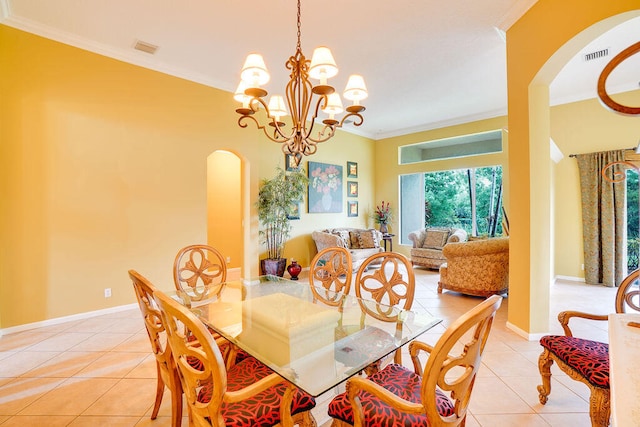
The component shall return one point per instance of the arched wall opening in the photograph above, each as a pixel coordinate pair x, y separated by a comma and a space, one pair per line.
225, 209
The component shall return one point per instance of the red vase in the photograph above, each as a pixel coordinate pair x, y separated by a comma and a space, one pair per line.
294, 269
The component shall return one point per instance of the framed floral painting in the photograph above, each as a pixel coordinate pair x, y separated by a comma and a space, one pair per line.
325, 188
352, 207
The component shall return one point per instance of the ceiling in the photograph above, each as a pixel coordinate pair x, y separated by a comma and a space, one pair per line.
427, 63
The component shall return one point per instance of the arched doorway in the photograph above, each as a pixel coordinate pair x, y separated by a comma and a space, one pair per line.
225, 207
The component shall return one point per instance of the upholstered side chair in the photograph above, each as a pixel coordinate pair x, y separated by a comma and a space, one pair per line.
437, 395
585, 360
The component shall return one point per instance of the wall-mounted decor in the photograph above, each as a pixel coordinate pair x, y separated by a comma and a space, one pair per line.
294, 211
290, 162
352, 208
352, 189
352, 170
325, 188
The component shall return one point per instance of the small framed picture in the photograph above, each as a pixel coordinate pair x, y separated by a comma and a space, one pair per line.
290, 163
352, 189
352, 208
352, 170
294, 211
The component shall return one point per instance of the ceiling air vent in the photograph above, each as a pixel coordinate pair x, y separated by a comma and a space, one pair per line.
145, 47
596, 55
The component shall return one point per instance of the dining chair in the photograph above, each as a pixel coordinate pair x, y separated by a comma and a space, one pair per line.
436, 395
166, 372
246, 394
330, 275
586, 360
391, 286
196, 268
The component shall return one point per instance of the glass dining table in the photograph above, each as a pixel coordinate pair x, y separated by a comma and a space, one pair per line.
309, 343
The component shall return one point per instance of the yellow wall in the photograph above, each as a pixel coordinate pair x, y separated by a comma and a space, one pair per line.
538, 45
583, 127
388, 170
104, 168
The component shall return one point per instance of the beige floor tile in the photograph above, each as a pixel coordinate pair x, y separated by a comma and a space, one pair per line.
61, 342
484, 398
509, 363
19, 393
19, 363
122, 421
145, 369
564, 400
72, 397
20, 341
112, 365
38, 421
512, 420
64, 365
137, 343
101, 342
94, 324
128, 396
564, 420
160, 422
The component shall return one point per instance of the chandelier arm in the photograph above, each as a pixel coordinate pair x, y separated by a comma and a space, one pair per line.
241, 123
255, 104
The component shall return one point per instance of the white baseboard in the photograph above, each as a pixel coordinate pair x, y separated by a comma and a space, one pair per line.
570, 278
524, 334
65, 319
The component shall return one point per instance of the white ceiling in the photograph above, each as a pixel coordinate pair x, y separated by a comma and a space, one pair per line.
427, 63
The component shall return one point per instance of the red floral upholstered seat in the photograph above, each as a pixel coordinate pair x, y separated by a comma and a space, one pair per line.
589, 358
261, 409
401, 382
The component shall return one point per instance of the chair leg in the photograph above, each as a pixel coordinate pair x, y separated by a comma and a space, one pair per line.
305, 419
159, 393
439, 287
599, 409
544, 365
339, 423
176, 401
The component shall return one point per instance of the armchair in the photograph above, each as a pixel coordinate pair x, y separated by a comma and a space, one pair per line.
478, 267
428, 244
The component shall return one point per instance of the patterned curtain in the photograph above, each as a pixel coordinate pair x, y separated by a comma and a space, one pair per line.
604, 223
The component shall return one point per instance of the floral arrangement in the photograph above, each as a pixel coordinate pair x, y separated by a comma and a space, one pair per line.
382, 214
325, 181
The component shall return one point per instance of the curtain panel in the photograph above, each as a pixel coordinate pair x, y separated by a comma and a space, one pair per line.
604, 223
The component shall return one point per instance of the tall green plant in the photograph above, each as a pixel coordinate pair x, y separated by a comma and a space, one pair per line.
276, 197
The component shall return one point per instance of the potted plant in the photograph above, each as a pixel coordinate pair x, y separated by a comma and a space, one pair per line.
382, 216
276, 198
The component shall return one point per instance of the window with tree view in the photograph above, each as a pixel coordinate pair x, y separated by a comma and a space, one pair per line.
464, 198
633, 220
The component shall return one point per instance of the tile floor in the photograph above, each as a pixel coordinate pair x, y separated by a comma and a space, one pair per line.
99, 371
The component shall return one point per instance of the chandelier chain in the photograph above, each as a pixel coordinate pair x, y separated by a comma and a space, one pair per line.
299, 46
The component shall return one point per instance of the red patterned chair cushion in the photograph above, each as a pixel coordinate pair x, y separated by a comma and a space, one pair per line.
589, 358
261, 410
224, 348
401, 382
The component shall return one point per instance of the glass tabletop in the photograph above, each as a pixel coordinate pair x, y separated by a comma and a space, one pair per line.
313, 345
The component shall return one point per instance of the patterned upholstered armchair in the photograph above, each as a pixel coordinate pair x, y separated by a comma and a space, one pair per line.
478, 267
428, 244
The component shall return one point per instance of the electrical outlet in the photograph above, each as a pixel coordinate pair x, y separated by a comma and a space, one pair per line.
583, 266
107, 292
228, 260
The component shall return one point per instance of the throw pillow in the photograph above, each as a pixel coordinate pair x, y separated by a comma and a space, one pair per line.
435, 239
366, 240
344, 236
354, 239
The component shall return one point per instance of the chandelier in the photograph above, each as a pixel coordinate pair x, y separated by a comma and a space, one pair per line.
304, 101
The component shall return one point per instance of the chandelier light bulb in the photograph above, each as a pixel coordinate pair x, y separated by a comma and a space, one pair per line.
356, 90
240, 96
276, 107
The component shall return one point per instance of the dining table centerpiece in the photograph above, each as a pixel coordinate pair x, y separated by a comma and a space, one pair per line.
277, 197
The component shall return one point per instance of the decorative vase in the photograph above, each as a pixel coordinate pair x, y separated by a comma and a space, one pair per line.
327, 201
383, 228
294, 269
273, 267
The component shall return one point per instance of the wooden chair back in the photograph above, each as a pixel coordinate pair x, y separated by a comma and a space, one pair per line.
628, 294
330, 275
392, 284
166, 372
196, 268
455, 374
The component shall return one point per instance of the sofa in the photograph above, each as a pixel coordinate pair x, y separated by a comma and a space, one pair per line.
478, 267
360, 242
429, 242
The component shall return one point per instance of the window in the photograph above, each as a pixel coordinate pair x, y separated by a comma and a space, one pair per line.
633, 220
464, 198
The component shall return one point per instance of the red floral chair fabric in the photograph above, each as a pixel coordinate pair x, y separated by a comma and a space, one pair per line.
589, 358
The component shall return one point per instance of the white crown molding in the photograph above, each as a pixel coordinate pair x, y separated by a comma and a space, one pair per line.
515, 12
134, 57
